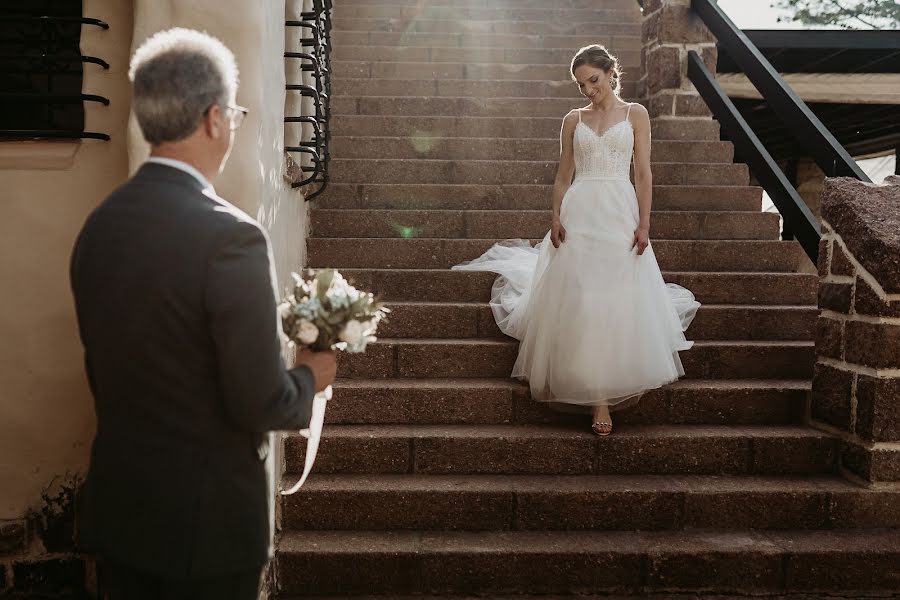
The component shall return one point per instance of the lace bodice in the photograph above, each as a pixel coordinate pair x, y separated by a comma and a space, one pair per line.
606, 154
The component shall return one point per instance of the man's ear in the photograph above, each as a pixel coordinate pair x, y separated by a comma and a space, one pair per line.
214, 122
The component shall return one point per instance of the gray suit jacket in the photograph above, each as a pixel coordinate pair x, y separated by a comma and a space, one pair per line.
175, 297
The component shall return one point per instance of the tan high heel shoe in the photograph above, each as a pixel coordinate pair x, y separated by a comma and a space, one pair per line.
602, 428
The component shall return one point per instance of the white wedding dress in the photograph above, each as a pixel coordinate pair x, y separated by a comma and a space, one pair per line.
596, 322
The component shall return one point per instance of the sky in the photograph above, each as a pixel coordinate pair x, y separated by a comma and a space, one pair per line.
755, 14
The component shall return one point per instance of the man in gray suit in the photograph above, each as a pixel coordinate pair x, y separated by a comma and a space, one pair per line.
175, 298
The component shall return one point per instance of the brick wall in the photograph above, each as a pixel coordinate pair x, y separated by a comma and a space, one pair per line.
856, 386
670, 31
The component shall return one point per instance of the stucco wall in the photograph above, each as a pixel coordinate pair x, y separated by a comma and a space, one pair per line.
253, 178
281, 209
46, 413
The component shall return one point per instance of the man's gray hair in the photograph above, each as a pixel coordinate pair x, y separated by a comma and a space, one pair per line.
178, 74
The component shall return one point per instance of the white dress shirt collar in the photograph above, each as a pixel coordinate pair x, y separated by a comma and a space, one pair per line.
183, 166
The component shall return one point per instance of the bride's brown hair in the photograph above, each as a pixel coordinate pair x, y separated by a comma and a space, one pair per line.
599, 57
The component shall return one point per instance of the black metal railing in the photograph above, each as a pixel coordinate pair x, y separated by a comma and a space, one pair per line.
796, 116
803, 123
315, 36
798, 219
41, 66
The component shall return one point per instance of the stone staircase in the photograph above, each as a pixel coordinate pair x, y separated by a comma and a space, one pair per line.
437, 475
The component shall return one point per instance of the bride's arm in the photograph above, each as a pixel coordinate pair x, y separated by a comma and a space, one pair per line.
643, 177
566, 168
564, 174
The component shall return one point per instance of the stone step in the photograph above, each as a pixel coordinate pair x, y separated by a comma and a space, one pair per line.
498, 401
479, 358
491, 172
568, 450
441, 285
616, 44
672, 255
684, 129
586, 502
500, 224
394, 563
463, 148
448, 70
453, 106
501, 127
476, 15
444, 320
629, 59
424, 4
464, 87
626, 26
418, 196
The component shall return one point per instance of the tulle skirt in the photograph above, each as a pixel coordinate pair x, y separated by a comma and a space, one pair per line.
596, 322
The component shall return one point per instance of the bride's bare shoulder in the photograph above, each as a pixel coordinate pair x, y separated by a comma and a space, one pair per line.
638, 110
572, 117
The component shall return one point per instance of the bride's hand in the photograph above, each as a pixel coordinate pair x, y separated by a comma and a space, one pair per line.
641, 239
557, 233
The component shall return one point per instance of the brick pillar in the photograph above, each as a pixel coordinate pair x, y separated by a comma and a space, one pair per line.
810, 180
670, 31
856, 385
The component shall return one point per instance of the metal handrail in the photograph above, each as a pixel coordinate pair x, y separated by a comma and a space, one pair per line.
48, 57
796, 214
55, 98
316, 169
318, 23
49, 134
50, 19
828, 153
311, 92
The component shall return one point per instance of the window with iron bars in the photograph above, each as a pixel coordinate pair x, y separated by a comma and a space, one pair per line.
41, 70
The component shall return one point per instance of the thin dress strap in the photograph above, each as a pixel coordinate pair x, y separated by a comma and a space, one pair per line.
578, 110
628, 112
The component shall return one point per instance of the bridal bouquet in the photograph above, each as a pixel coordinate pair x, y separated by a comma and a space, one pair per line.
325, 312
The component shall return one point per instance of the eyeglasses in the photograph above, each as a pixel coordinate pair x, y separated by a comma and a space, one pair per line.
236, 114
233, 112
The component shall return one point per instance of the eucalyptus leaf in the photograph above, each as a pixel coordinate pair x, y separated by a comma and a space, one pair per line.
323, 282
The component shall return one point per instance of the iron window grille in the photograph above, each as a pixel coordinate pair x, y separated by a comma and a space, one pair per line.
42, 68
314, 29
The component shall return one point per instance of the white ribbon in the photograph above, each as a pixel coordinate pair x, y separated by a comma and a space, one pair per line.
313, 435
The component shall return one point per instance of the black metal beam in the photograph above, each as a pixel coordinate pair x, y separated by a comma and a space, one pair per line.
830, 55
793, 112
871, 145
872, 115
888, 56
801, 222
824, 39
799, 51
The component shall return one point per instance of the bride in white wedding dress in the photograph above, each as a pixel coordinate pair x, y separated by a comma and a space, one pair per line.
597, 324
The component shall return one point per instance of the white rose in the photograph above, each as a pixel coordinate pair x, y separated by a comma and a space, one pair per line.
284, 310
307, 333
369, 327
352, 333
